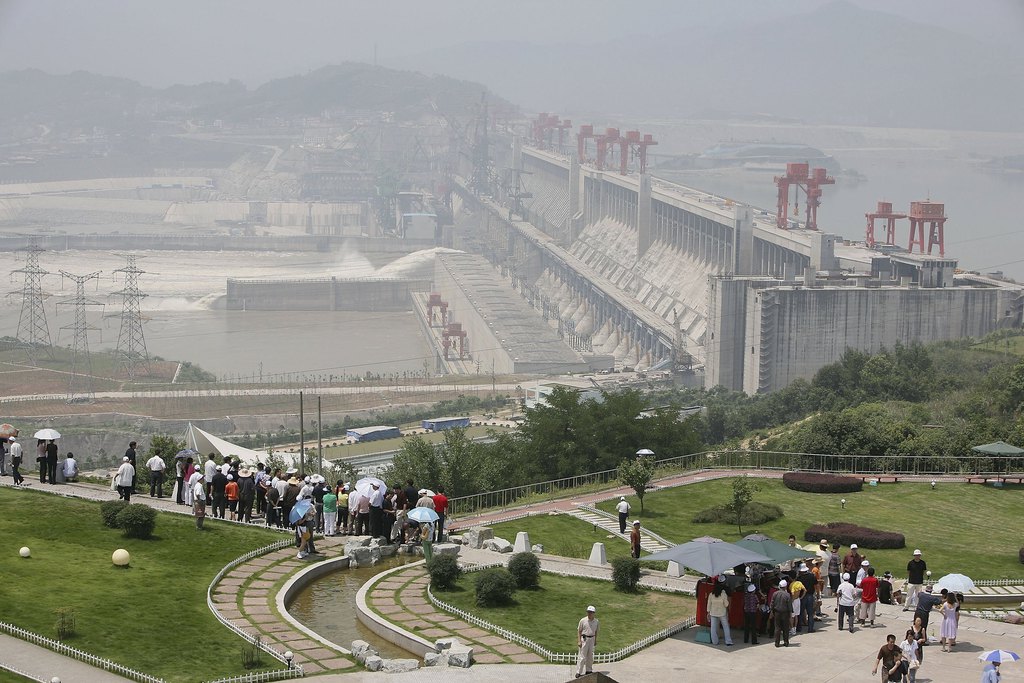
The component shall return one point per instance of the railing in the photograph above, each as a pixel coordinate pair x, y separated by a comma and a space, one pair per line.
556, 657
612, 518
999, 582
19, 672
293, 670
81, 655
909, 466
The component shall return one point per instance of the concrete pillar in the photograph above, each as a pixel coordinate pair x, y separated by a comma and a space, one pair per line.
598, 558
823, 251
743, 242
522, 544
575, 210
643, 215
674, 569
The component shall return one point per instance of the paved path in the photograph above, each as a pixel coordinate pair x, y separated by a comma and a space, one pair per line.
46, 664
402, 599
647, 541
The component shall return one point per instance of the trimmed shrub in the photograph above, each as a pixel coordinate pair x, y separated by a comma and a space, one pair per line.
525, 569
137, 520
813, 482
444, 571
494, 587
844, 533
754, 513
109, 511
626, 574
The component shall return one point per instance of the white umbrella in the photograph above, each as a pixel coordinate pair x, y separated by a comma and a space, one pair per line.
999, 656
645, 451
363, 485
428, 492
47, 434
958, 583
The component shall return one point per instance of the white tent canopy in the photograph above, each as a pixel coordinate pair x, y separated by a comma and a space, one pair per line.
206, 443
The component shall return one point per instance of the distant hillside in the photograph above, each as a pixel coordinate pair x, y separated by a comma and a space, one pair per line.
838, 64
84, 100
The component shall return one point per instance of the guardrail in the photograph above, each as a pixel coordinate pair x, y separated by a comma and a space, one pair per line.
81, 655
910, 466
999, 582
293, 670
555, 657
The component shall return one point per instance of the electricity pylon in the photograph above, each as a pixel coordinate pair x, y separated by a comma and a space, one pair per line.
80, 383
33, 332
131, 342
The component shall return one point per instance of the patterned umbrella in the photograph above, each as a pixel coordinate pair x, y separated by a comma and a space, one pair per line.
999, 656
7, 431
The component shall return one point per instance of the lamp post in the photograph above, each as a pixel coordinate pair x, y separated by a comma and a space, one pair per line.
842, 502
933, 484
288, 657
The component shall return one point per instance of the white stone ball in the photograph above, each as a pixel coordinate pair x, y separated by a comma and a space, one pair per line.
25, 552
121, 558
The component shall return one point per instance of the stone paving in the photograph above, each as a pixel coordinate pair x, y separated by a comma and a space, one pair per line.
402, 599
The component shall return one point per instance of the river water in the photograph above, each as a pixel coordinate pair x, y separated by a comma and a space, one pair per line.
183, 319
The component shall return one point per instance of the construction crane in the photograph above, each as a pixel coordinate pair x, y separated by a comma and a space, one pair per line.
799, 176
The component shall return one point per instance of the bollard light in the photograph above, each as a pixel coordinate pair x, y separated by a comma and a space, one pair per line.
288, 656
842, 502
933, 484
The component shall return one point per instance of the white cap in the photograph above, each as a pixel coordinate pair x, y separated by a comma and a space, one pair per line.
636, 523
124, 459
591, 608
865, 563
846, 576
620, 497
917, 552
802, 567
853, 546
12, 438
783, 584
751, 588
230, 478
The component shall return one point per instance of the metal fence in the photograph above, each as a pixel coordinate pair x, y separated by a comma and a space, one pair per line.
966, 467
81, 655
292, 670
556, 657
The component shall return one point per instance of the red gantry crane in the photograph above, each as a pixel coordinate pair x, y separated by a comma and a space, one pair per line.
884, 211
934, 214
800, 177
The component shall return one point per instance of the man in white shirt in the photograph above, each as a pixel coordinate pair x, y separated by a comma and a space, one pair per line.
70, 468
376, 511
209, 469
156, 467
123, 480
847, 595
586, 638
623, 509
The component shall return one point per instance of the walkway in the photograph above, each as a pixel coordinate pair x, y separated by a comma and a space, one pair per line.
247, 595
402, 598
647, 541
46, 664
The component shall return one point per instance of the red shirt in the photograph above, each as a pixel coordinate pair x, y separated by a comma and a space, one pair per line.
231, 490
440, 503
869, 589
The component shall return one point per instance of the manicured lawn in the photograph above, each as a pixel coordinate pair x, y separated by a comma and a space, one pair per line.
563, 535
145, 617
549, 615
965, 528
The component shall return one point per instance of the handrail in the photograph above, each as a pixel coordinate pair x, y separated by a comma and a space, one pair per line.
969, 466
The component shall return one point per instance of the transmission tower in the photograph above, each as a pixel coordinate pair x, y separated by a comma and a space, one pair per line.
80, 384
131, 342
33, 332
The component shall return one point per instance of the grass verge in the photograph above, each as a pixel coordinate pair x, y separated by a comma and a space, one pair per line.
563, 535
549, 614
121, 613
965, 528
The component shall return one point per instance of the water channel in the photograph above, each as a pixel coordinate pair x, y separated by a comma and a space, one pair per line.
328, 606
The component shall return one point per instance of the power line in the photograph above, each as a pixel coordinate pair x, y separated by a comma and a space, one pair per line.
80, 384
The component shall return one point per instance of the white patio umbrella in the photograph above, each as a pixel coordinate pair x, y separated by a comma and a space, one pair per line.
47, 434
958, 583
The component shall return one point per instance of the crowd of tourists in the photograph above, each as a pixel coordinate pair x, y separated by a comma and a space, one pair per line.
793, 598
233, 491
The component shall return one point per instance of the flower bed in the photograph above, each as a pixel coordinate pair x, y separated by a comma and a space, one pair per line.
813, 482
845, 534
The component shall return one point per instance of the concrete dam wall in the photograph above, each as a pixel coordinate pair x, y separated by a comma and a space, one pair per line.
213, 242
324, 294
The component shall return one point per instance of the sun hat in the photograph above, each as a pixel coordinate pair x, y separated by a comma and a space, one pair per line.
231, 478
846, 576
823, 541
803, 567
244, 472
865, 563
917, 552
124, 459
293, 482
853, 546
751, 588
636, 522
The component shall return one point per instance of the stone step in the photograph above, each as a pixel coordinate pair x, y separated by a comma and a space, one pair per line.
612, 526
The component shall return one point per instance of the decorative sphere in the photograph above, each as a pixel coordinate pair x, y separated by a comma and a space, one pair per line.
121, 557
25, 552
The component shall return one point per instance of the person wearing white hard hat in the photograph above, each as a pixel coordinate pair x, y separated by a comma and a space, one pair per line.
586, 638
623, 507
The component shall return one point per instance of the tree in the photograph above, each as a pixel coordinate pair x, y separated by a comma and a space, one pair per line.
743, 491
637, 473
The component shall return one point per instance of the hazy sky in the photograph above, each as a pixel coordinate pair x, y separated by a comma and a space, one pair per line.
191, 41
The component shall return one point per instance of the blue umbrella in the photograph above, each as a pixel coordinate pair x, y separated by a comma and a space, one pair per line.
299, 511
423, 515
186, 453
998, 656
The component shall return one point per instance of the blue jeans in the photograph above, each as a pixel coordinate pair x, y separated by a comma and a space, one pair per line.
807, 612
